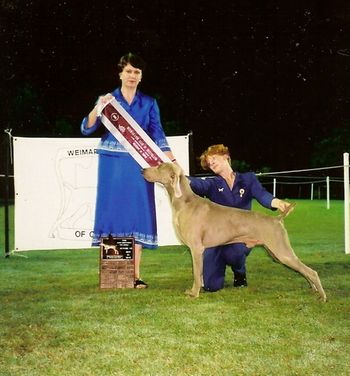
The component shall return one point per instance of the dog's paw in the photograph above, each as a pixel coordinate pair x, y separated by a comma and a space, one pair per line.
191, 293
322, 297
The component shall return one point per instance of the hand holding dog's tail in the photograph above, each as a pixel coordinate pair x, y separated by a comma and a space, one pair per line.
283, 206
287, 210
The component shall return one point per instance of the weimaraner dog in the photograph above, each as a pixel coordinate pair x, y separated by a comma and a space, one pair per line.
201, 224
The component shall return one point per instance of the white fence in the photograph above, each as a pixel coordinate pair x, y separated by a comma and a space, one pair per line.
327, 180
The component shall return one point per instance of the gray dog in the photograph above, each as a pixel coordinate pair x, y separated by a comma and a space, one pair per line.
201, 224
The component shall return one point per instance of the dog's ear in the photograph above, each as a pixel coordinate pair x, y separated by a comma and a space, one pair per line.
175, 183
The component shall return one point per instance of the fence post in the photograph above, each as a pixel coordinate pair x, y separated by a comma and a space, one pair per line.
274, 187
312, 191
346, 202
328, 193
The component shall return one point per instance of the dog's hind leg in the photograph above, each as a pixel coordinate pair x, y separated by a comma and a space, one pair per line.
288, 258
310, 274
276, 241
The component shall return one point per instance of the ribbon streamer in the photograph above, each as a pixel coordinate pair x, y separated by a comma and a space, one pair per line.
134, 139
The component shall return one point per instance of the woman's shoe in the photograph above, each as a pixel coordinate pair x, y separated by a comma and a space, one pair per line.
139, 284
240, 280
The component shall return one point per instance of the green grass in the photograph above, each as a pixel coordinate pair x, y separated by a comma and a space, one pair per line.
55, 321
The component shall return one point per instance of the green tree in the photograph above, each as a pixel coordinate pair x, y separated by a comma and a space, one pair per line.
329, 151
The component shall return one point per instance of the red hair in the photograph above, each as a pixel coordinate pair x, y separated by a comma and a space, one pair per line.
218, 149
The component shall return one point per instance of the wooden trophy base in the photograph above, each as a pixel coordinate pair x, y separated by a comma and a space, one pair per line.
117, 263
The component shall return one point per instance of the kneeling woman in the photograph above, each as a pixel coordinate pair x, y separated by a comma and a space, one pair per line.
237, 190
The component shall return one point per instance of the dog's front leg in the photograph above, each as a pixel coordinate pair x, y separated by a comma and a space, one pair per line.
197, 264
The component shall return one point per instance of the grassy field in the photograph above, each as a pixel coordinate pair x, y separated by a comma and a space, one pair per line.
55, 321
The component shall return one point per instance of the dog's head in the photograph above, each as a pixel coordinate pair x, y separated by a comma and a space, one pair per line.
167, 174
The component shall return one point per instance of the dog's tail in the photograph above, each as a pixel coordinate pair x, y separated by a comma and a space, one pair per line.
289, 209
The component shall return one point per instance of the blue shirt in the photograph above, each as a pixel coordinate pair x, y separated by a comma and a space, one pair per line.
145, 111
246, 187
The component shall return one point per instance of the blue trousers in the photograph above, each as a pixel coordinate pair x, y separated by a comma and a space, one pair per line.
215, 261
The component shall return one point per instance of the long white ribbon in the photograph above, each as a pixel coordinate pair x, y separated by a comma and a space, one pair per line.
134, 139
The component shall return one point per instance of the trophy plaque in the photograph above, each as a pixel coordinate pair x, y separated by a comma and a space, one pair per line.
117, 264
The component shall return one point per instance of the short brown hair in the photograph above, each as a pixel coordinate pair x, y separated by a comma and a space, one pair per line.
218, 149
133, 60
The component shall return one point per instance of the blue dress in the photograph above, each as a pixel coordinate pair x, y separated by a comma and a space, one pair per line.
125, 204
246, 187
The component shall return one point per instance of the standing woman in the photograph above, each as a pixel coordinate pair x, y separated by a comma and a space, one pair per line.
125, 204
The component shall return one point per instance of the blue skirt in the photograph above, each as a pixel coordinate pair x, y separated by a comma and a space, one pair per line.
125, 204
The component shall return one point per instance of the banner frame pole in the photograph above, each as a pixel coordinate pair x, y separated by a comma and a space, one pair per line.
7, 176
346, 203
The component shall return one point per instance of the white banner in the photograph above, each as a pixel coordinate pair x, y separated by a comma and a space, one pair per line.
55, 192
